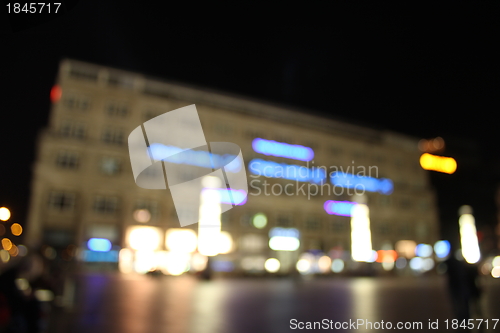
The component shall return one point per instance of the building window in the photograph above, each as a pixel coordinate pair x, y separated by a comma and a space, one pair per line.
68, 159
114, 136
338, 225
284, 221
105, 205
73, 102
151, 206
313, 223
61, 201
73, 130
110, 165
117, 110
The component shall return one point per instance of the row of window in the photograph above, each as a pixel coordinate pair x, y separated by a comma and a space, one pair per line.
63, 201
78, 130
71, 160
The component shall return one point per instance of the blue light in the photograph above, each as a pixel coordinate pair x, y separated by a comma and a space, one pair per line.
370, 184
232, 197
342, 208
423, 250
99, 244
442, 248
93, 256
222, 266
199, 158
287, 171
284, 232
280, 149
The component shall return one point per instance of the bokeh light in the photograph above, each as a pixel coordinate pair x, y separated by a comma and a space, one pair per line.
272, 265
4, 214
16, 229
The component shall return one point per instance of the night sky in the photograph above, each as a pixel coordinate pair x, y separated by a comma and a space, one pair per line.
423, 69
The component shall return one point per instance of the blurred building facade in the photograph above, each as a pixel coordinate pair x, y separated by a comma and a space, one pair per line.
83, 185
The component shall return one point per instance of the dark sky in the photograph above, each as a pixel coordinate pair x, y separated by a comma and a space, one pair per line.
424, 69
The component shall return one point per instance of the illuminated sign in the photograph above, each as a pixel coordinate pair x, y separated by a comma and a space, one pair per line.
230, 196
438, 163
280, 149
342, 208
94, 256
99, 244
199, 158
370, 184
284, 239
287, 171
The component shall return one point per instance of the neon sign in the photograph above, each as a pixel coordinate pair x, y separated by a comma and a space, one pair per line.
281, 149
231, 197
341, 208
370, 184
199, 158
287, 171
438, 163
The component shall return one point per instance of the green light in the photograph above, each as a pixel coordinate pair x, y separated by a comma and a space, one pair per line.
259, 221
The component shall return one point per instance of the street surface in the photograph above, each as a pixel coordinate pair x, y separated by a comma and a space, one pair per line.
113, 302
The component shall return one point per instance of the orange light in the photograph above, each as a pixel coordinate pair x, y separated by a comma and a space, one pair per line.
16, 229
386, 255
6, 244
438, 163
55, 94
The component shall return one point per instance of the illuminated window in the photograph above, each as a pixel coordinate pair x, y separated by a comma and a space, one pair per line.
110, 165
61, 201
73, 130
114, 136
105, 205
67, 159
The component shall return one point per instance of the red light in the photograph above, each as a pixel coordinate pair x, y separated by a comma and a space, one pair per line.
55, 94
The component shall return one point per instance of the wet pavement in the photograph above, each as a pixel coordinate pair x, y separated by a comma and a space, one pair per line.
113, 302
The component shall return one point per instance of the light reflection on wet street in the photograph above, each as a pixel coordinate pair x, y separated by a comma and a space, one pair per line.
112, 302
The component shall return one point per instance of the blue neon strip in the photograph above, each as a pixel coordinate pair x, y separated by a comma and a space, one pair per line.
202, 159
370, 184
281, 149
284, 232
287, 171
230, 196
99, 244
93, 256
342, 208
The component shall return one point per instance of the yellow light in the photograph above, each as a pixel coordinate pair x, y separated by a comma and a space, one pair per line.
144, 238
181, 240
495, 272
4, 214
259, 221
126, 261
324, 264
406, 248
468, 239
6, 244
225, 242
272, 265
361, 240
209, 225
4, 256
16, 229
438, 163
